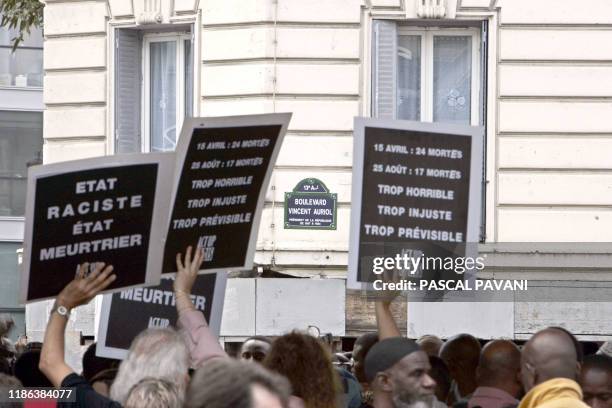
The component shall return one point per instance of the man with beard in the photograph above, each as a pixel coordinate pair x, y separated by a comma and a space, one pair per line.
398, 370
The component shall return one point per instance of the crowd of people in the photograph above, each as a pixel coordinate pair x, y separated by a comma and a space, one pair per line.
187, 367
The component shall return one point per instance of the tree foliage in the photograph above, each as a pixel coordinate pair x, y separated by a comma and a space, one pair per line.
21, 15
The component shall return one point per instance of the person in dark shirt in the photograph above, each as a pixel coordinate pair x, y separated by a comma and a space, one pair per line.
86, 396
78, 292
157, 353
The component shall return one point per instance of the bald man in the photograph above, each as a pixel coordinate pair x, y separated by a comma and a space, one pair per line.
549, 370
498, 376
596, 381
461, 355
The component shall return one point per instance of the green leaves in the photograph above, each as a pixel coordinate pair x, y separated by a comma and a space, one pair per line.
21, 15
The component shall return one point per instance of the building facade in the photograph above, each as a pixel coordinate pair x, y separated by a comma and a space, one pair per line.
21, 140
119, 76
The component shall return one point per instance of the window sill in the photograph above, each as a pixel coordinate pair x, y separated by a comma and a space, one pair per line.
21, 99
22, 88
12, 229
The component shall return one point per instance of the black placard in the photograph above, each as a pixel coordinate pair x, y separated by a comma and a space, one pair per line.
103, 214
416, 195
220, 192
125, 314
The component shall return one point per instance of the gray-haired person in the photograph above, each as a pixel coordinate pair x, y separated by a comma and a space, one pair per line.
159, 353
154, 393
224, 382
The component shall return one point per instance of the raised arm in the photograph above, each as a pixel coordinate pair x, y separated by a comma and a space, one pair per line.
384, 320
201, 342
78, 292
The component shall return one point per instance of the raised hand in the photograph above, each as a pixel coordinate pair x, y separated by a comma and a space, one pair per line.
84, 288
387, 296
384, 319
187, 271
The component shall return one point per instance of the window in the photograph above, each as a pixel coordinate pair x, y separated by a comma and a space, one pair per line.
427, 74
431, 73
153, 89
21, 141
9, 290
20, 147
22, 68
168, 89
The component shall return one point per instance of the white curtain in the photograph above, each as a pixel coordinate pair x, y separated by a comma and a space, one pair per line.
163, 96
409, 77
452, 79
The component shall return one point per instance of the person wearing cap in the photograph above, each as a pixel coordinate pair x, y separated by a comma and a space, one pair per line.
398, 370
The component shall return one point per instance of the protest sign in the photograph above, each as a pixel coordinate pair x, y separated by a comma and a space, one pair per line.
106, 209
416, 193
223, 167
125, 314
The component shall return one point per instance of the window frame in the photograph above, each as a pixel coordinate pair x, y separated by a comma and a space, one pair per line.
23, 47
19, 99
383, 34
12, 226
427, 35
148, 38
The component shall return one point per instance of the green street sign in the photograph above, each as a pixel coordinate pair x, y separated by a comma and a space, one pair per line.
311, 206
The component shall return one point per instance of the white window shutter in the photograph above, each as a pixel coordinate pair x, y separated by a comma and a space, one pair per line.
128, 46
384, 69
